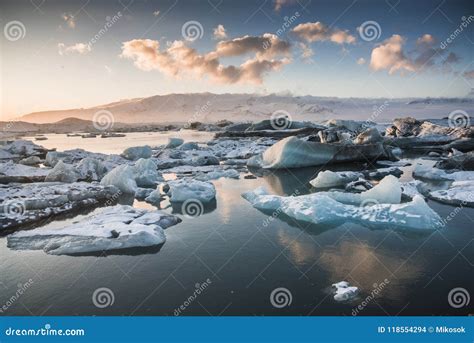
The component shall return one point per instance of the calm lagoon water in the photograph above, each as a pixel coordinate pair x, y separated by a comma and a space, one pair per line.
243, 256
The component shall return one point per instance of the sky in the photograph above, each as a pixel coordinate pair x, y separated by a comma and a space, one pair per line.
74, 54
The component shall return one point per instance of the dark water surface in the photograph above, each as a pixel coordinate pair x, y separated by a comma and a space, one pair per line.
242, 255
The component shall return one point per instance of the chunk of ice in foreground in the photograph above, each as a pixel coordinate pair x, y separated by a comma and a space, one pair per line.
328, 178
344, 292
117, 227
185, 189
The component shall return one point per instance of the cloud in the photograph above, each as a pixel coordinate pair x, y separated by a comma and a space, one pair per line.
69, 19
469, 74
278, 4
266, 46
390, 55
361, 61
306, 51
314, 32
79, 48
178, 59
156, 13
219, 32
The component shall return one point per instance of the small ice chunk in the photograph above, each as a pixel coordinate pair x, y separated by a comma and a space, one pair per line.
146, 173
122, 177
62, 172
459, 193
136, 152
328, 179
91, 169
184, 189
30, 161
174, 142
217, 174
117, 227
344, 291
154, 197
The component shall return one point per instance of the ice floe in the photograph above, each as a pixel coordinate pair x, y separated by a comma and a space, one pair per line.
344, 292
328, 179
136, 152
62, 172
114, 228
365, 208
435, 174
459, 193
21, 204
122, 177
185, 189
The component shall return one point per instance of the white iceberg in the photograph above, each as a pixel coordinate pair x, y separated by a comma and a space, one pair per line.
217, 174
122, 177
435, 174
114, 228
459, 193
344, 292
174, 142
136, 152
146, 173
324, 207
184, 189
19, 170
154, 197
328, 179
91, 169
62, 172
293, 152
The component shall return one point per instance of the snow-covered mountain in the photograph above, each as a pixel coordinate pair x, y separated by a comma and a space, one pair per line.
208, 107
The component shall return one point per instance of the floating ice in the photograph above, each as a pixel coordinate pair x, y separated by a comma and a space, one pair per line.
91, 169
146, 173
12, 169
292, 152
217, 174
174, 142
184, 189
30, 161
344, 292
154, 197
327, 207
21, 204
122, 177
136, 152
327, 179
113, 228
430, 173
62, 172
458, 193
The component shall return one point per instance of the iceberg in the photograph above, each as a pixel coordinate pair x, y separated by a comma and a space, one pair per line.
91, 169
12, 172
122, 177
293, 152
344, 292
435, 174
174, 143
459, 193
185, 189
113, 228
328, 179
62, 172
22, 204
146, 173
323, 208
136, 152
